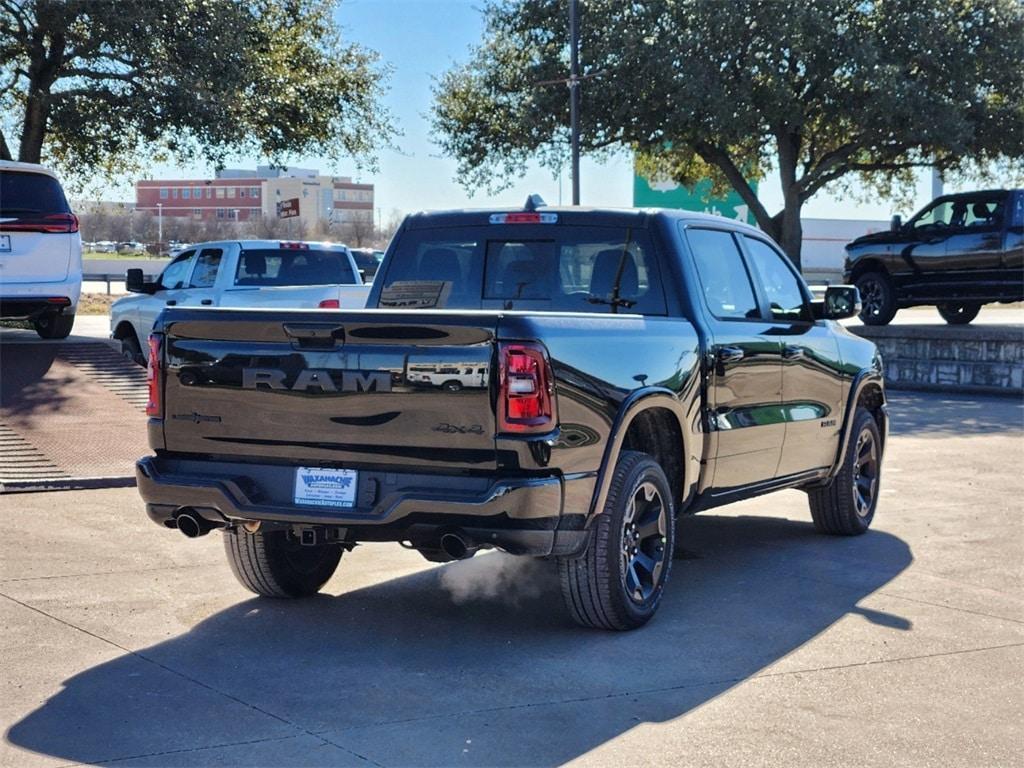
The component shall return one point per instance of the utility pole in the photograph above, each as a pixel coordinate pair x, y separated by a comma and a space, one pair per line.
574, 96
159, 229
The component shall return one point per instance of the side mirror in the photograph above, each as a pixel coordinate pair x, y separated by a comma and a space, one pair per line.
135, 281
897, 223
839, 303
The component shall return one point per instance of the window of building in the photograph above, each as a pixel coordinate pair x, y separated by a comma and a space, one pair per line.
242, 192
220, 192
164, 192
232, 213
254, 191
197, 212
231, 191
209, 192
186, 193
220, 213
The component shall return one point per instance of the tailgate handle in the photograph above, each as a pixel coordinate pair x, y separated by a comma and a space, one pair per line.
315, 334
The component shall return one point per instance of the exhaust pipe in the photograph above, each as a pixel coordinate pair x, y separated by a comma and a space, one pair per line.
192, 525
457, 547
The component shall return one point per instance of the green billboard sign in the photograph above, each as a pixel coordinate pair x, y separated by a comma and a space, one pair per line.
669, 194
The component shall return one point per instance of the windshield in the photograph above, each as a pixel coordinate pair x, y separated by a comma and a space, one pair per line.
22, 193
557, 268
273, 266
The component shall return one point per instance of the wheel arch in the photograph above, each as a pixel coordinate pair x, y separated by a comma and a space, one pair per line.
867, 391
868, 264
652, 421
123, 328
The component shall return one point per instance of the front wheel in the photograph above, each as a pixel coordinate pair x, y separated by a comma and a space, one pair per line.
618, 582
54, 326
273, 564
959, 314
846, 506
877, 298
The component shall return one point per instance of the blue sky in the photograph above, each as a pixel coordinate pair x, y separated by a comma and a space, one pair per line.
420, 39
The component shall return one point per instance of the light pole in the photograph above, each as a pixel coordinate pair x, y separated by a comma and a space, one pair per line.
574, 97
160, 229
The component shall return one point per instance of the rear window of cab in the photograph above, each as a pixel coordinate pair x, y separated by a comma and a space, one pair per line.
528, 267
265, 267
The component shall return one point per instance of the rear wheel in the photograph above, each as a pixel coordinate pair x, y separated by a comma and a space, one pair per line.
877, 298
846, 506
131, 350
618, 582
54, 326
273, 564
959, 314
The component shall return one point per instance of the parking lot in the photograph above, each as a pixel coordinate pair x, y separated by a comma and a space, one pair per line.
129, 645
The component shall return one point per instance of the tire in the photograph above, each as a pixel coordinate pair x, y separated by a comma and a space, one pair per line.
959, 314
594, 584
131, 350
273, 565
840, 508
54, 326
878, 298
452, 386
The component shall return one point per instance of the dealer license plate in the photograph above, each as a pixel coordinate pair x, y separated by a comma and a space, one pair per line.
5, 243
320, 487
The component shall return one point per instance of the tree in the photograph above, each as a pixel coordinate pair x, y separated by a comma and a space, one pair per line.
95, 85
826, 92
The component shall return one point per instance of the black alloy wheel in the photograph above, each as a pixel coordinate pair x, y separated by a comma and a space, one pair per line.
643, 542
877, 298
865, 473
959, 314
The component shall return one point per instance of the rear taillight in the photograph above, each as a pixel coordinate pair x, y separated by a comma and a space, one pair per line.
329, 304
155, 406
59, 223
526, 397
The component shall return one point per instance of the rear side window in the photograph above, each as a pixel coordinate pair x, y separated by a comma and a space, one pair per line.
555, 268
22, 193
724, 280
272, 266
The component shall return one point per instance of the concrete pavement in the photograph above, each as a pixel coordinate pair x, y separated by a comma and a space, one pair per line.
126, 644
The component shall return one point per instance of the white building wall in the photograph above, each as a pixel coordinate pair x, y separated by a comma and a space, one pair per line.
823, 251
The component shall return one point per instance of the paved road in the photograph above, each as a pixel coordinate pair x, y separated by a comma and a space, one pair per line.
775, 646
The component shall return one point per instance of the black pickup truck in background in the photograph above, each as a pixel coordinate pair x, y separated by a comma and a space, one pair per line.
958, 253
550, 382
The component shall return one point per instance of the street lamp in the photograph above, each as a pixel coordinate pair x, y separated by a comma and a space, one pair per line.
160, 228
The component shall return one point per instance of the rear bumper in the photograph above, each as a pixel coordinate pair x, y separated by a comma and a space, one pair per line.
521, 515
29, 308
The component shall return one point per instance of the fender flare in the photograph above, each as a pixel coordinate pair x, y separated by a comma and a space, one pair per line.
636, 403
865, 378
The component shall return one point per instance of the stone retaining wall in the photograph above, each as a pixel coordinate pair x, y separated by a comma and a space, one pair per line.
981, 358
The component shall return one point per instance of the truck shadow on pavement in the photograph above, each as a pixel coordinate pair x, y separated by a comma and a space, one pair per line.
473, 662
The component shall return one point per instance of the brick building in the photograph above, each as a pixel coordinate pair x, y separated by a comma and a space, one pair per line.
243, 195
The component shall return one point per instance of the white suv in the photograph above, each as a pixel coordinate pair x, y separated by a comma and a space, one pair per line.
40, 250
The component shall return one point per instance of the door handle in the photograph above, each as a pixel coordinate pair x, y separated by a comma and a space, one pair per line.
206, 302
792, 353
729, 354
171, 302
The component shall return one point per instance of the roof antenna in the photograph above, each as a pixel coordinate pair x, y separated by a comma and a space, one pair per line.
533, 202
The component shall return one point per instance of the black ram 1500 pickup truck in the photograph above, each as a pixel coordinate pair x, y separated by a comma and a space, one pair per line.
958, 253
550, 382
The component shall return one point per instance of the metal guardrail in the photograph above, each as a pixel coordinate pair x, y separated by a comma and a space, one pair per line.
108, 278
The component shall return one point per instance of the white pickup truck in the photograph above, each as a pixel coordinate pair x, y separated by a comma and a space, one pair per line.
253, 274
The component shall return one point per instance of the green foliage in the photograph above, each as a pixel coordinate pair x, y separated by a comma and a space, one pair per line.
824, 91
108, 85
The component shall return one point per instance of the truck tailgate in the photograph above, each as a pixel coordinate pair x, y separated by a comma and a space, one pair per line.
332, 387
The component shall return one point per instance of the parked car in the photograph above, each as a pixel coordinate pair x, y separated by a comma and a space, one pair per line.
958, 253
40, 250
247, 273
635, 365
368, 260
